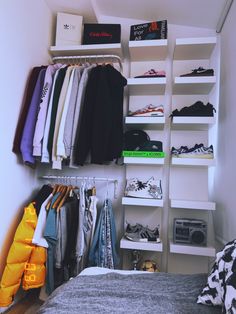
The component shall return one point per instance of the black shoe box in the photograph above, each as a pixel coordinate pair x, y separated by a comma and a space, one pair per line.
101, 34
149, 31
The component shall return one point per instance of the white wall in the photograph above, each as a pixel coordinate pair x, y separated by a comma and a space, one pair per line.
23, 45
224, 191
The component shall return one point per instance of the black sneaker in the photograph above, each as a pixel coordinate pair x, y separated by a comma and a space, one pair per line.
200, 72
198, 109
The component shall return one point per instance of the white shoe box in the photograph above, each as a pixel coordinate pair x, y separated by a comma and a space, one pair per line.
69, 29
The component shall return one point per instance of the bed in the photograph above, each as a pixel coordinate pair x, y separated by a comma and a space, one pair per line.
99, 290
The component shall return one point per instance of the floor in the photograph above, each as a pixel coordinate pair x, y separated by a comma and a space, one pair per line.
28, 305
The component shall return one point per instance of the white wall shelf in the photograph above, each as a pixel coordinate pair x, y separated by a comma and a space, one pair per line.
193, 85
192, 250
192, 161
144, 161
144, 246
194, 48
145, 120
74, 50
146, 86
193, 120
142, 202
186, 204
143, 50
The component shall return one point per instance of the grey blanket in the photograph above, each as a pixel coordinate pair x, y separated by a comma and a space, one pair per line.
158, 293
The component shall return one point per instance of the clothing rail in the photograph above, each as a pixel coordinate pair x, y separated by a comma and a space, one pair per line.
90, 58
78, 178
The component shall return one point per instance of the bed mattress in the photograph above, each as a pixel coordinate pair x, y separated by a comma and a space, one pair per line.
104, 291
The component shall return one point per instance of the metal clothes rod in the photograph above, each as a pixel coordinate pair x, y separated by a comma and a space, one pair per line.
89, 58
76, 178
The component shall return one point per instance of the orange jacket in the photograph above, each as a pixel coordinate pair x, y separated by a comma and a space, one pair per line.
24, 259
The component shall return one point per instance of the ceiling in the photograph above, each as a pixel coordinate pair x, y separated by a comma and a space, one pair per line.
197, 13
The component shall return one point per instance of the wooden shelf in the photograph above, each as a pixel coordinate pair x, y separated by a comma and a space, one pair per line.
145, 120
148, 50
81, 50
142, 202
209, 251
147, 86
193, 85
186, 204
144, 246
144, 161
192, 161
194, 48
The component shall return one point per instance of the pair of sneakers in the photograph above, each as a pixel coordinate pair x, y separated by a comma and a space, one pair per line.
197, 151
144, 189
139, 233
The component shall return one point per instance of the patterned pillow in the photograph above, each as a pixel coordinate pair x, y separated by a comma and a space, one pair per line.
221, 284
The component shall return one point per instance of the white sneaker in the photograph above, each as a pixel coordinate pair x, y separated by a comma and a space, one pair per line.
150, 189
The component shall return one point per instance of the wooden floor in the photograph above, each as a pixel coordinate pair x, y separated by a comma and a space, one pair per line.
28, 305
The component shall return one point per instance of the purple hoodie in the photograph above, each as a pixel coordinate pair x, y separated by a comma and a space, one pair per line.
26, 144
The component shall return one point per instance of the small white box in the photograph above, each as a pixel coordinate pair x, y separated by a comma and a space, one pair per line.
69, 29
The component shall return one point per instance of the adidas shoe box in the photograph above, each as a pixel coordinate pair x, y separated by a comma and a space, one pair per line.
101, 34
149, 31
69, 29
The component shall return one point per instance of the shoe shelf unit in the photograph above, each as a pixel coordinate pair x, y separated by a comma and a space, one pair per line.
142, 246
193, 85
145, 55
192, 162
201, 205
73, 50
142, 202
144, 86
145, 120
208, 251
192, 123
144, 161
190, 178
141, 50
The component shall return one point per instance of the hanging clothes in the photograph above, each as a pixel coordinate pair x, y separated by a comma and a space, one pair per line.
103, 251
102, 117
42, 114
26, 145
25, 261
25, 108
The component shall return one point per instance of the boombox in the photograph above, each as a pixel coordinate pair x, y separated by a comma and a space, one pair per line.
190, 231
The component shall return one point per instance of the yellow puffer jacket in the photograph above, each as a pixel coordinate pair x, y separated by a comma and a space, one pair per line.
24, 259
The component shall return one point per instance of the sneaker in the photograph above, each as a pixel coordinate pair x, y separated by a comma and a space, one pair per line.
198, 109
152, 73
198, 151
139, 233
200, 72
176, 151
150, 189
148, 111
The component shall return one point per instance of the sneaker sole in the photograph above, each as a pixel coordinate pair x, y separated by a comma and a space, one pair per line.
195, 156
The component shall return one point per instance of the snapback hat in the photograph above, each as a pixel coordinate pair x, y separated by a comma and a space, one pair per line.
134, 139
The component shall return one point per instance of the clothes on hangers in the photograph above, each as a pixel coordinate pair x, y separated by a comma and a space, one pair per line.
74, 112
26, 145
25, 107
103, 251
25, 261
42, 114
